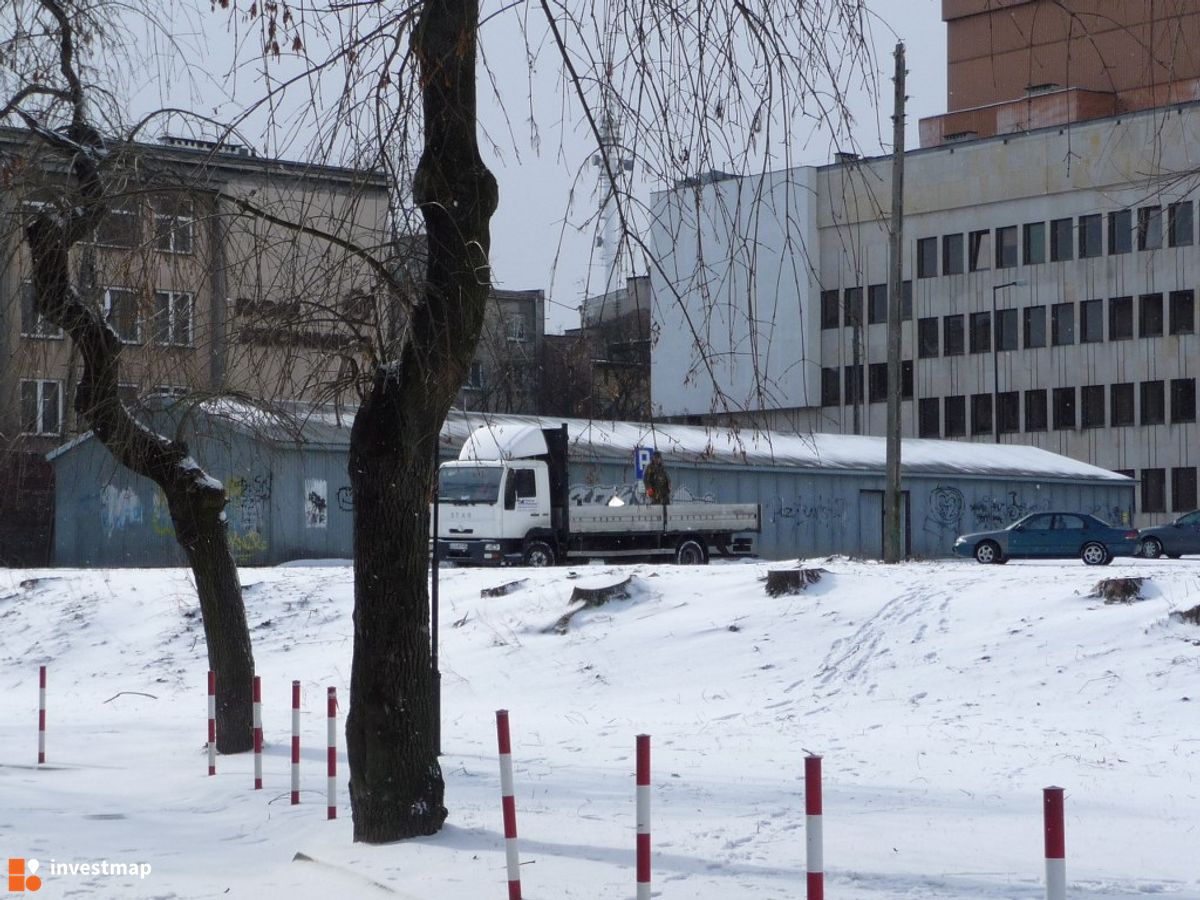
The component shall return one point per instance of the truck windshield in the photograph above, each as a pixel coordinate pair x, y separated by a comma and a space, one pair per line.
470, 484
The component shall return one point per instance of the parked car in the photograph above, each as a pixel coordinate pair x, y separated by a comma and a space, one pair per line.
1051, 535
1174, 539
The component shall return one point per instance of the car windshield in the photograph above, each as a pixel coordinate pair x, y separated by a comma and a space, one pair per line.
470, 484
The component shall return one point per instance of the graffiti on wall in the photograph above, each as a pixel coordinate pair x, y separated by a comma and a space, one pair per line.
1114, 515
996, 512
119, 508
345, 498
823, 510
248, 506
316, 503
944, 510
588, 494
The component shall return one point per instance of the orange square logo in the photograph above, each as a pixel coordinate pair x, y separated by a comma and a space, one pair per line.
22, 878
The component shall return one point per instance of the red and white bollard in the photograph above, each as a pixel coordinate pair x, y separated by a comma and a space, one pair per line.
1056, 843
509, 803
814, 838
212, 723
295, 742
643, 817
41, 714
332, 755
257, 733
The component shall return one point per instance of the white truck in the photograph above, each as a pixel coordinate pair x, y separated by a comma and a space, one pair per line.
506, 501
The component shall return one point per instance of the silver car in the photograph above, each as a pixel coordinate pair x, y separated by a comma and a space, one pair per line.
1174, 539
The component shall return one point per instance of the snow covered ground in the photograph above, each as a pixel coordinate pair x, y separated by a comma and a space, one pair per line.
943, 697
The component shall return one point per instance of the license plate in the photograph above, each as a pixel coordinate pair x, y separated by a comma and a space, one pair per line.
457, 546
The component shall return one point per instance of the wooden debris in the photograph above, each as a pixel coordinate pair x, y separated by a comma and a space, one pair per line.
590, 598
792, 581
1119, 590
1188, 615
503, 589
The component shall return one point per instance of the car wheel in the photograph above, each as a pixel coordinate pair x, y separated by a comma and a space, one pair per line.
1002, 560
1151, 548
987, 552
1107, 560
691, 553
539, 554
1174, 555
1094, 553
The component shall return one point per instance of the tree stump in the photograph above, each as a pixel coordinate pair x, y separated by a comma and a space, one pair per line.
1119, 590
1188, 615
792, 581
504, 589
590, 598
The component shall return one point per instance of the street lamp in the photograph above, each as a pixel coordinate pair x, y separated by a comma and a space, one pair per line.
996, 357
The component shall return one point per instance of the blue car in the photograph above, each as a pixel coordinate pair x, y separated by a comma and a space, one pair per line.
1051, 535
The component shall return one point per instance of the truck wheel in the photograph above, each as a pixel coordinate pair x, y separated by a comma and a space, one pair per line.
539, 554
691, 553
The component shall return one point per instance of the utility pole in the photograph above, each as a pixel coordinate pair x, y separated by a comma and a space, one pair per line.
892, 549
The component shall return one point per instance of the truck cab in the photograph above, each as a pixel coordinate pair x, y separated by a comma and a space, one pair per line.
490, 511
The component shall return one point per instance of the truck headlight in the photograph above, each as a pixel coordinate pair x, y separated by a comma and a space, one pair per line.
495, 547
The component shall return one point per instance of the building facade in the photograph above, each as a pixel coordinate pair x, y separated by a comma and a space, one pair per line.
506, 373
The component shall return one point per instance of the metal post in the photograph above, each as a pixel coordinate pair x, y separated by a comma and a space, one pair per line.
892, 551
436, 700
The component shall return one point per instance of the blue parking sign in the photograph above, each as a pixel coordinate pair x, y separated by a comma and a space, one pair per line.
641, 459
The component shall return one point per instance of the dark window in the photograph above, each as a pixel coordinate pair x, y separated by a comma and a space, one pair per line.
980, 250
1006, 329
927, 337
1183, 489
1064, 408
1183, 399
1091, 402
1149, 229
830, 312
1033, 242
852, 305
1062, 324
927, 257
1179, 224
120, 226
1006, 247
174, 220
854, 385
906, 379
1035, 410
1150, 315
1120, 231
877, 383
952, 254
928, 423
956, 416
831, 389
1035, 327
1154, 403
1091, 321
1122, 404
877, 304
121, 312
981, 332
173, 318
1183, 312
906, 299
1154, 490
1090, 240
981, 414
1008, 412
33, 324
953, 342
524, 483
1061, 245
41, 407
1120, 318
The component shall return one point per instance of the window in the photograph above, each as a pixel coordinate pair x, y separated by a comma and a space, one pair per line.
1154, 404
877, 383
906, 300
1129, 473
981, 332
927, 337
1183, 489
981, 414
1091, 402
980, 250
41, 407
831, 388
1183, 312
1120, 232
928, 424
514, 327
854, 385
1179, 224
830, 313
1120, 318
173, 318
129, 395
1035, 410
523, 483
853, 306
1006, 247
174, 222
34, 324
1154, 490
1061, 245
1064, 408
1035, 327
1090, 240
121, 312
1183, 399
1008, 412
956, 416
1091, 321
1006, 329
953, 342
1149, 228
1150, 315
952, 254
120, 227
1121, 400
906, 379
1062, 324
927, 257
1033, 242
475, 376
877, 304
